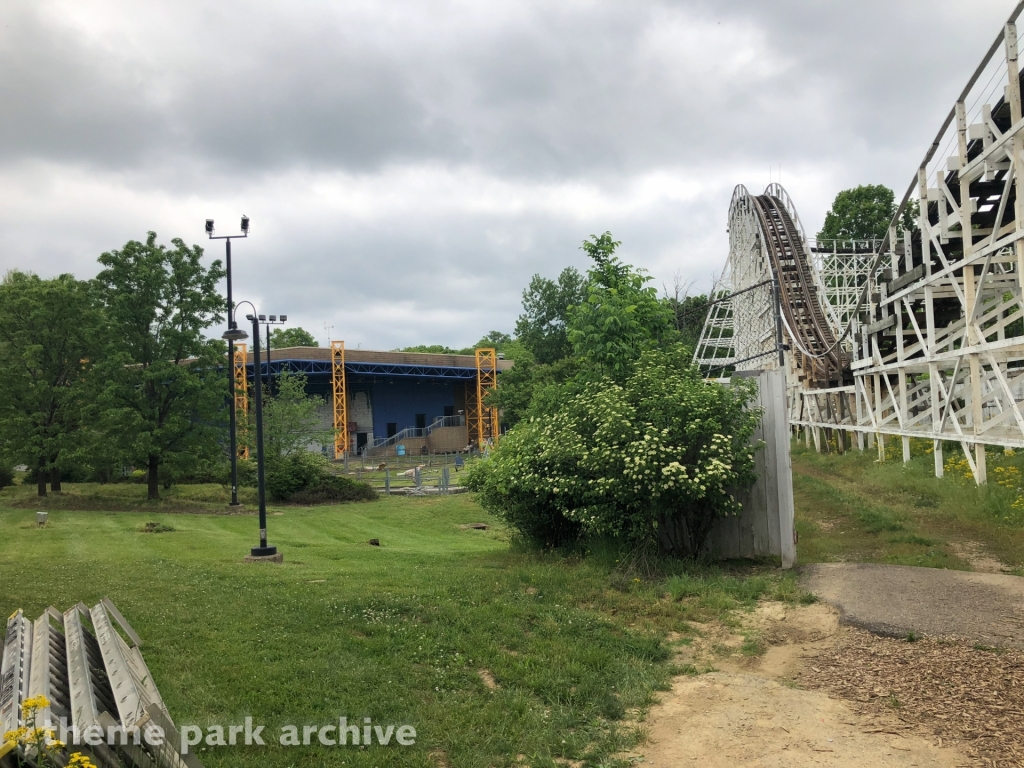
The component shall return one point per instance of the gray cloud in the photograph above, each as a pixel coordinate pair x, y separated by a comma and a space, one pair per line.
408, 166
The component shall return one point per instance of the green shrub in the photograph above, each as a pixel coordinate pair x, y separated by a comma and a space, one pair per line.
217, 470
290, 474
332, 488
78, 473
305, 478
525, 502
246, 473
649, 461
6, 476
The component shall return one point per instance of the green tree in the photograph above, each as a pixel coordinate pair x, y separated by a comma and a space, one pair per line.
432, 349
864, 213
688, 311
542, 327
292, 425
164, 386
280, 338
51, 332
689, 315
622, 316
291, 418
496, 339
648, 459
502, 342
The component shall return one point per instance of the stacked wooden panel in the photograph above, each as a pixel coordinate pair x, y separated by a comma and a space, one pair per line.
88, 664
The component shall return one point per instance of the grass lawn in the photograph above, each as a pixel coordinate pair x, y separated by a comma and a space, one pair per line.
854, 508
368, 471
417, 631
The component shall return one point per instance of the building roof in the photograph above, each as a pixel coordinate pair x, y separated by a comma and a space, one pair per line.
317, 360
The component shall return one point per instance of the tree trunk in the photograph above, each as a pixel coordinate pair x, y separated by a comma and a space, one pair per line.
674, 534
154, 477
41, 477
55, 480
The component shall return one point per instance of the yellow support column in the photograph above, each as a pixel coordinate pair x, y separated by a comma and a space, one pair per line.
473, 413
241, 397
340, 399
486, 382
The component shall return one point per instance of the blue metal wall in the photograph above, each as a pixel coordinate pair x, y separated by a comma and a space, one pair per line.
399, 400
395, 398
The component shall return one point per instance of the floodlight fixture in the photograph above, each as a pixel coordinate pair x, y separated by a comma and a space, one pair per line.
263, 318
249, 318
273, 318
284, 318
245, 224
209, 227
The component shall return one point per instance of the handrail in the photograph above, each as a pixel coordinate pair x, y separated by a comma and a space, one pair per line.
415, 432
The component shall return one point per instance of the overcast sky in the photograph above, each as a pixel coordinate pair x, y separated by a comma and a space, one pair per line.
408, 166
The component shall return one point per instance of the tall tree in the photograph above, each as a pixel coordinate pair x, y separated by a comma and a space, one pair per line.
291, 418
503, 342
50, 335
689, 311
432, 349
164, 388
542, 326
496, 339
864, 213
622, 316
281, 338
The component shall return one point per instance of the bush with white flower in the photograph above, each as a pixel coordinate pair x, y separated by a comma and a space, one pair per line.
649, 460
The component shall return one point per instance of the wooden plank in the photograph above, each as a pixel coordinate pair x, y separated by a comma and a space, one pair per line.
881, 325
769, 385
784, 474
907, 278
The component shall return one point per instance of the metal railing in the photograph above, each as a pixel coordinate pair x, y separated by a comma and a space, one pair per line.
409, 433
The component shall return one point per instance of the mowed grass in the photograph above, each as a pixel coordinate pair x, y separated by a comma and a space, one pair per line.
207, 498
410, 632
857, 509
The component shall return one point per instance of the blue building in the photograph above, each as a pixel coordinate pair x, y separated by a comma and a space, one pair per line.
425, 403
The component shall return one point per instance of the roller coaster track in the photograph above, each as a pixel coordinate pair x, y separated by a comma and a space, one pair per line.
922, 340
799, 294
767, 244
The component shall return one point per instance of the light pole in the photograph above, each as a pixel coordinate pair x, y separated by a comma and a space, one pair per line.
232, 326
237, 334
269, 322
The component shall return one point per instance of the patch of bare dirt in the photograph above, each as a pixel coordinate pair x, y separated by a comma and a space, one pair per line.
753, 711
723, 720
771, 640
974, 554
488, 679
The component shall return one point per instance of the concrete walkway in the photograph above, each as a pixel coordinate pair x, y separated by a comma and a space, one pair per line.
983, 608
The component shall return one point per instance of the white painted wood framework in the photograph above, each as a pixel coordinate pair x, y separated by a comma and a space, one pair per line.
933, 320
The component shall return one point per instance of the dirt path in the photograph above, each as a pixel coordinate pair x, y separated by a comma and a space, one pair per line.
753, 711
973, 553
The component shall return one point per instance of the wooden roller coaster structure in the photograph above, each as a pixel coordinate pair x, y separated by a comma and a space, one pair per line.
922, 334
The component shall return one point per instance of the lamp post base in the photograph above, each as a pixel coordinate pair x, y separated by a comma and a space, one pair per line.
264, 555
275, 557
